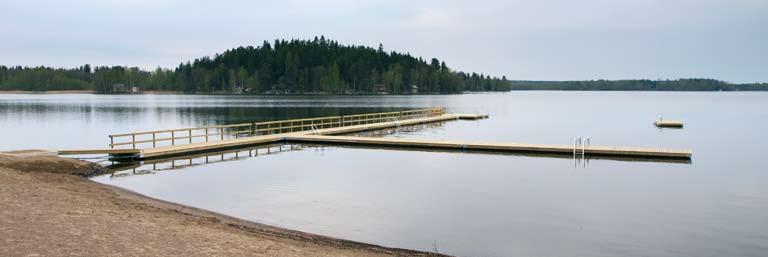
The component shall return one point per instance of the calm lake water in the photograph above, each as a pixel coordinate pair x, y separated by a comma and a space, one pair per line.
466, 204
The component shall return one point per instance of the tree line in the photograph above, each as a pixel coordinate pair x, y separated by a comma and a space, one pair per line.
295, 66
692, 84
316, 66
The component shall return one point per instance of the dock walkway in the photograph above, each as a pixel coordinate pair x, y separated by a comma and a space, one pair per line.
492, 146
276, 138
325, 130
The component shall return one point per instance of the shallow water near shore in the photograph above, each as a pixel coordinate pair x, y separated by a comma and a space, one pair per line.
460, 203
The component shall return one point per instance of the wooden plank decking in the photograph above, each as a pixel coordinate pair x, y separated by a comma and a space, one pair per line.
492, 146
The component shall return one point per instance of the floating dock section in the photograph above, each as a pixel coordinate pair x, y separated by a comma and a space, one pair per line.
492, 146
669, 123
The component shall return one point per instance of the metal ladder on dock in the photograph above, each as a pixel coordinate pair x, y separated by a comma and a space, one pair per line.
578, 142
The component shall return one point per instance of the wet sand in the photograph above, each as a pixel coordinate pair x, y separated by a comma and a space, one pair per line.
50, 209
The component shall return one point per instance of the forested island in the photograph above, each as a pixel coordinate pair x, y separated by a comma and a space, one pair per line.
283, 67
638, 85
317, 66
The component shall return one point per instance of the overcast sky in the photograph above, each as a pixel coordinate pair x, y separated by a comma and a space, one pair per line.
532, 40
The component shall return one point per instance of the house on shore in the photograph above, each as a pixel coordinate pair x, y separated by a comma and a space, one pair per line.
414, 89
380, 89
121, 88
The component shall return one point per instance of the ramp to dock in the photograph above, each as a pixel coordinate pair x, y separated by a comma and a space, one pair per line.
276, 138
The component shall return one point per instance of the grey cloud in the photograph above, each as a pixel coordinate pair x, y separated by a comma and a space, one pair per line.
546, 40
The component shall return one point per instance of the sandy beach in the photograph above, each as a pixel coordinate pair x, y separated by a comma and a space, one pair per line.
50, 209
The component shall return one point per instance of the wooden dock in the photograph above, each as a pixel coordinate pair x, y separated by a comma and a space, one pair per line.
493, 146
149, 166
277, 138
324, 130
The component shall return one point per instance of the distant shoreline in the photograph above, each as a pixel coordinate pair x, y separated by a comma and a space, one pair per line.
166, 92
50, 92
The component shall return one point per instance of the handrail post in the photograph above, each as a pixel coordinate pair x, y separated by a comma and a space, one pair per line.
341, 123
173, 138
111, 142
153, 140
133, 140
253, 128
206, 134
190, 136
221, 132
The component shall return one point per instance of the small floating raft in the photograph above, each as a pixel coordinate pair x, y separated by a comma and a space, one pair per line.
669, 123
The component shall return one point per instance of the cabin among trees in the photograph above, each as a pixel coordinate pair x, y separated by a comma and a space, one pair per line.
125, 89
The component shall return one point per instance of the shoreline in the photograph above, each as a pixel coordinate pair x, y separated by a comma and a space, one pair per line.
38, 188
51, 92
165, 92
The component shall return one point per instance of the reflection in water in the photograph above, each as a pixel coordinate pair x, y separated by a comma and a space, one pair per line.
122, 169
84, 121
399, 131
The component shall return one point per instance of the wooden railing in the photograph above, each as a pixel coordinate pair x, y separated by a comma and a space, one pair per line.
222, 132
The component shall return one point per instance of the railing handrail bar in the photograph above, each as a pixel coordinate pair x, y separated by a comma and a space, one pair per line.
272, 122
268, 127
